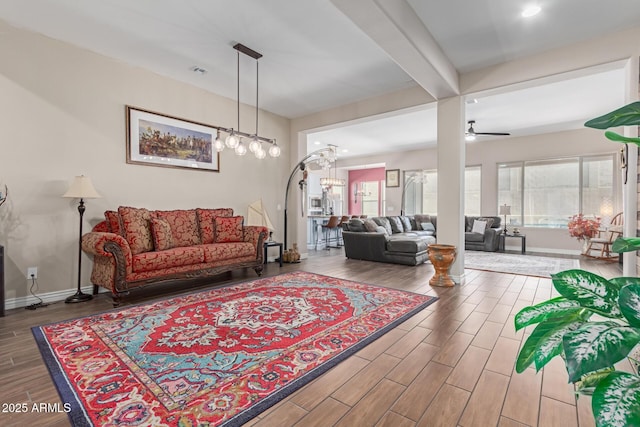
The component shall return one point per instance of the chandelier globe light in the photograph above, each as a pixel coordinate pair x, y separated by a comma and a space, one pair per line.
274, 150
218, 144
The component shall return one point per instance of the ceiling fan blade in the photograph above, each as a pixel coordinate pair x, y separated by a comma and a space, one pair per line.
492, 133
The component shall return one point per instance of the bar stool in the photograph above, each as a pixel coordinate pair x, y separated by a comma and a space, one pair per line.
345, 219
331, 225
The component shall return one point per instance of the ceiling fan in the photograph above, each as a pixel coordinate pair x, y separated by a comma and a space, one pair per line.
471, 134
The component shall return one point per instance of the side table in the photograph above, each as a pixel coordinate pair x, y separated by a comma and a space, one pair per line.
267, 245
503, 237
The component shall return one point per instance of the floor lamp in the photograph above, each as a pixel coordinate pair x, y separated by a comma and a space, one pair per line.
81, 188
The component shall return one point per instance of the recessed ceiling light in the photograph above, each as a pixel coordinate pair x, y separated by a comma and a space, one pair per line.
472, 101
344, 150
531, 10
317, 142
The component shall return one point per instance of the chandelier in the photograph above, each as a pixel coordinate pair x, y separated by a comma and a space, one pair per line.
235, 139
325, 163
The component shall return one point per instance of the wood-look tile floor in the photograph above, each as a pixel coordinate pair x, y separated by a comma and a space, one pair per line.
450, 365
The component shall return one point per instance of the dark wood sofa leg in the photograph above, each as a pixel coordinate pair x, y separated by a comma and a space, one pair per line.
259, 269
95, 289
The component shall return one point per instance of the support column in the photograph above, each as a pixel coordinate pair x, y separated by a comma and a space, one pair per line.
451, 161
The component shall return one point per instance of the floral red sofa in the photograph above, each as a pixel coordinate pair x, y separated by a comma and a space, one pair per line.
135, 246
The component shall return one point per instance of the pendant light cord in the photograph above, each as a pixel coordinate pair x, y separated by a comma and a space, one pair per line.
238, 85
257, 75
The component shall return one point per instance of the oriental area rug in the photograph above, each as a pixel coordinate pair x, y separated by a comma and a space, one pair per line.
217, 357
528, 265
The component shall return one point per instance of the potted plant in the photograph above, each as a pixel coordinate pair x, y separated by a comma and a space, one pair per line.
583, 229
595, 323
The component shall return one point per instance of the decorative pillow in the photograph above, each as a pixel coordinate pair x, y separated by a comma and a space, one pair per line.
380, 220
205, 222
184, 226
468, 223
489, 221
137, 229
406, 223
229, 229
161, 232
356, 225
380, 229
479, 226
113, 219
396, 224
370, 225
427, 226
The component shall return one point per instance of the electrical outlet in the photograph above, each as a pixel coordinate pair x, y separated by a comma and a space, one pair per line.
32, 271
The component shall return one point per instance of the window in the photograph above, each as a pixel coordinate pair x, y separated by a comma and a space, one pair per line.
422, 197
547, 193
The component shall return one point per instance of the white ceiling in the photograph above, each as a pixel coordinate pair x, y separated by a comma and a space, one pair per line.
316, 57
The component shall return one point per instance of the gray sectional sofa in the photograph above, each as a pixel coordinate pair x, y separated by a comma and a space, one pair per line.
404, 239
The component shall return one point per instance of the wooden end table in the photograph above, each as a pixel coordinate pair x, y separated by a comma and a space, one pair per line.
503, 237
267, 245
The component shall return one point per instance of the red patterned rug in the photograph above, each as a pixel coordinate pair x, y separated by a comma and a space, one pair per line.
218, 357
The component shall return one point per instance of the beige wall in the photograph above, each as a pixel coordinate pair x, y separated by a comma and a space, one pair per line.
62, 113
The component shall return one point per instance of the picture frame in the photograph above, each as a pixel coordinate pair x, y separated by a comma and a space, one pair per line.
392, 178
155, 139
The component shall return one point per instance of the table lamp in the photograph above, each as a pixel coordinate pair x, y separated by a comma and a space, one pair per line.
505, 210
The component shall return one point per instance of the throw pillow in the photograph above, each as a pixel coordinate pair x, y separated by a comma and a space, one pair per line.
229, 229
380, 220
370, 225
113, 219
356, 224
161, 232
406, 223
380, 229
396, 224
205, 222
137, 228
427, 226
479, 226
489, 221
184, 226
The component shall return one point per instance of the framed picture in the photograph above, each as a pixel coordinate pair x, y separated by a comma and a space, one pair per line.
155, 139
393, 178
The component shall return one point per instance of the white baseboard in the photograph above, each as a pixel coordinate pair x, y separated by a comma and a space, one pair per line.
48, 297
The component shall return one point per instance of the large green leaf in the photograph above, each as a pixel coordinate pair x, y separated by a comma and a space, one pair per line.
545, 342
589, 290
626, 244
616, 137
624, 116
597, 345
629, 302
555, 307
623, 281
616, 401
589, 382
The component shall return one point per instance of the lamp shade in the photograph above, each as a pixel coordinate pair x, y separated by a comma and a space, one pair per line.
81, 188
257, 215
505, 210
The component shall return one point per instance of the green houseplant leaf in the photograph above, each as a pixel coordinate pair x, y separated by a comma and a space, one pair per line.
597, 345
621, 282
616, 400
589, 290
626, 244
545, 342
629, 301
616, 137
589, 382
555, 307
623, 116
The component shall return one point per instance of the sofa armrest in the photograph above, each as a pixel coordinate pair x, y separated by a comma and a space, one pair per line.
364, 245
491, 239
109, 245
256, 235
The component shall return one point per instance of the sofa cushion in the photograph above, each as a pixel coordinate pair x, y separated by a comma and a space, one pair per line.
228, 229
473, 237
223, 251
396, 224
113, 220
427, 226
161, 233
409, 245
356, 224
384, 222
205, 222
406, 223
370, 225
176, 257
184, 226
381, 230
137, 228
